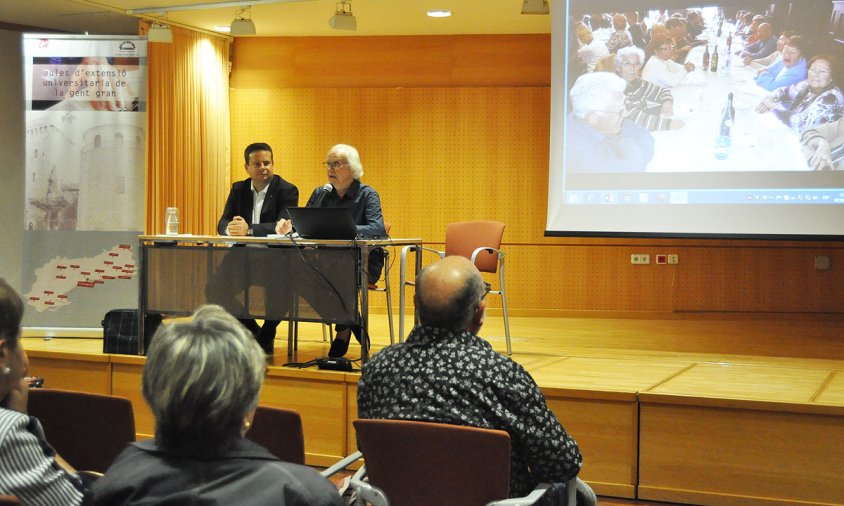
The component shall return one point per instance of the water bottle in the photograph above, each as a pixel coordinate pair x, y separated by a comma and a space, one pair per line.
723, 141
171, 221
724, 71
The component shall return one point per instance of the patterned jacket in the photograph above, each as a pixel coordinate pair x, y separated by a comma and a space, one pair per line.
442, 376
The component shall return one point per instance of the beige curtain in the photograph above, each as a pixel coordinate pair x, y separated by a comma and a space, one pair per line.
188, 131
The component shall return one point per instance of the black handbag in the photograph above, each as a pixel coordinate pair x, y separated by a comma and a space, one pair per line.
120, 330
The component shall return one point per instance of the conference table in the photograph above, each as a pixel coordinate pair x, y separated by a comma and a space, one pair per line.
759, 142
276, 278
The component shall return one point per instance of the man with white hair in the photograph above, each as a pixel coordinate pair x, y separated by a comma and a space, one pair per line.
599, 137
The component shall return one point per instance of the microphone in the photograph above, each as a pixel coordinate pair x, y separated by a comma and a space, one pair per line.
325, 191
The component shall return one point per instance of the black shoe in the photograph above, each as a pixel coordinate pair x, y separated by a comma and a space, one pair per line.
339, 347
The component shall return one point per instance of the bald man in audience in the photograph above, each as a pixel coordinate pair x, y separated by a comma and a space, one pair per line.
445, 373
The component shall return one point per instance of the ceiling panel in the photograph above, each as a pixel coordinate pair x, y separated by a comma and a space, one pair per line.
291, 18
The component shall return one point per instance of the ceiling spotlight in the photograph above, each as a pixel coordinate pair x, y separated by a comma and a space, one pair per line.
535, 7
241, 25
160, 33
439, 14
343, 19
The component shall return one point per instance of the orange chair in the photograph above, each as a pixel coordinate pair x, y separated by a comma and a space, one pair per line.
420, 463
480, 242
279, 431
87, 430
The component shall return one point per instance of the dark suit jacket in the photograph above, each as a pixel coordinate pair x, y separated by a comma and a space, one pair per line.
280, 196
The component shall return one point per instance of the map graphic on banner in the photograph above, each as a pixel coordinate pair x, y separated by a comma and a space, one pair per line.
85, 149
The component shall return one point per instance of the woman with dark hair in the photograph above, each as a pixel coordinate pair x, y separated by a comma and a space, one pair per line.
661, 69
29, 468
201, 381
790, 69
814, 101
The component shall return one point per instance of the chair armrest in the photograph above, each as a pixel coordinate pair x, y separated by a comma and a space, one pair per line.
527, 500
403, 261
366, 492
488, 249
413, 248
341, 464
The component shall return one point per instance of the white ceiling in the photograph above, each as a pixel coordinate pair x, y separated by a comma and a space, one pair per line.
289, 18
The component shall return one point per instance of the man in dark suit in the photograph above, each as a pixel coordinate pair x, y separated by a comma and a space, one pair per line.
253, 208
257, 203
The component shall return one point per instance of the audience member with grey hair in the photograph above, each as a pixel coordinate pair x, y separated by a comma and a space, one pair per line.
344, 171
445, 373
30, 468
201, 381
599, 137
648, 105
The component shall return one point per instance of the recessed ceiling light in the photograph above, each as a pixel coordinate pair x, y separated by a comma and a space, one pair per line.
222, 28
439, 14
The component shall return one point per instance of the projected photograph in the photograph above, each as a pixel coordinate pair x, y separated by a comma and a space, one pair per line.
682, 102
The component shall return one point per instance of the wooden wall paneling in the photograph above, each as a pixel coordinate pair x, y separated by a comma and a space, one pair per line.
738, 455
352, 414
444, 137
762, 279
127, 372
434, 155
81, 373
586, 278
605, 426
361, 62
320, 398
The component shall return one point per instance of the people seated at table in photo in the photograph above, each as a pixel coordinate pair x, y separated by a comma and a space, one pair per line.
748, 35
344, 170
620, 37
30, 468
576, 66
694, 24
761, 64
743, 21
201, 381
656, 29
445, 373
660, 69
823, 145
789, 70
591, 49
638, 30
815, 101
682, 45
766, 44
599, 138
601, 25
252, 208
648, 105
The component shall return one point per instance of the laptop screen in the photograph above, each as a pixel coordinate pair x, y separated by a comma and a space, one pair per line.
323, 222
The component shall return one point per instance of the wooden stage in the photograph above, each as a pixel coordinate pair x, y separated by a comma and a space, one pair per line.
699, 411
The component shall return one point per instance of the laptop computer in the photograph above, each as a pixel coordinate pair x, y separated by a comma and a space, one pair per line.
323, 222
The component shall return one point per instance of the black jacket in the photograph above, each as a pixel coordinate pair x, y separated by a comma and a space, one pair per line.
280, 195
246, 475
